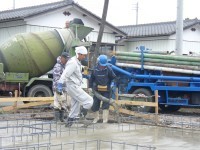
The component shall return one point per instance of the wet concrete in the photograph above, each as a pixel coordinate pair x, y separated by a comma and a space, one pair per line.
159, 137
162, 138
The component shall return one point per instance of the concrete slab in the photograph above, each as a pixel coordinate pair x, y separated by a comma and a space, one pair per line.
41, 132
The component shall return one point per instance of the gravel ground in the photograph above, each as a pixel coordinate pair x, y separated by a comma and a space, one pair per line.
186, 112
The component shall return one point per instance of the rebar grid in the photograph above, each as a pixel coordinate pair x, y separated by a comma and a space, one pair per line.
83, 145
177, 121
161, 119
31, 115
20, 130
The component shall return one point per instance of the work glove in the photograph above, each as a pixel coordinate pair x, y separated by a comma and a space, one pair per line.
112, 85
59, 89
90, 91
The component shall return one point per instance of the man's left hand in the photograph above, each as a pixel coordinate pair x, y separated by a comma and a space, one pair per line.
59, 89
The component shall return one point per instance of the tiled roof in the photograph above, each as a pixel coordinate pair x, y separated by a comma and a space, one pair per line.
25, 12
22, 13
156, 29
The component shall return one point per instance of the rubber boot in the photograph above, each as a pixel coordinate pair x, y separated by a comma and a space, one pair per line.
83, 112
61, 115
105, 115
69, 122
96, 117
56, 115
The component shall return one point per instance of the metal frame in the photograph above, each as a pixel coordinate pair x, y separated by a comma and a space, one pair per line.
156, 81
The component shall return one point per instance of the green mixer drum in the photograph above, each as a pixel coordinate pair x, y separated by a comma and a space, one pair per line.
34, 53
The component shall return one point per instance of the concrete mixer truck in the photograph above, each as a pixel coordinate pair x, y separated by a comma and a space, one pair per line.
177, 78
26, 57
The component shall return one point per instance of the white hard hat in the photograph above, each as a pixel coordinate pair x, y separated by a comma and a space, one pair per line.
81, 50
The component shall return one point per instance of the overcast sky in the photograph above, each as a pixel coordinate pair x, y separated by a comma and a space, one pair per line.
123, 12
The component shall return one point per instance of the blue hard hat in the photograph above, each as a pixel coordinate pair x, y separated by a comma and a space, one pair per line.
102, 60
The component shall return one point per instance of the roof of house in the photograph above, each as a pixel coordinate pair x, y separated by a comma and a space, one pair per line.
156, 29
27, 12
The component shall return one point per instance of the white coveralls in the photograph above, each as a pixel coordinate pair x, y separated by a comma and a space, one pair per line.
72, 77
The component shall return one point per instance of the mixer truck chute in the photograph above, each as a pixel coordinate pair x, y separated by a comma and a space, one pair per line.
27, 56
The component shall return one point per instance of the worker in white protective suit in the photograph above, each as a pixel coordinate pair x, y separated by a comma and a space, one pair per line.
72, 77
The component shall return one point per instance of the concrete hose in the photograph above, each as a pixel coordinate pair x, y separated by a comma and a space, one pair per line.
111, 102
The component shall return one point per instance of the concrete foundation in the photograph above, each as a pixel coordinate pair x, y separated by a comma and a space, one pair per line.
28, 131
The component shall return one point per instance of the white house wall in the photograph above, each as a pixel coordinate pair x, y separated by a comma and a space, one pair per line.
53, 20
57, 19
33, 28
123, 47
191, 42
189, 35
8, 29
154, 44
8, 32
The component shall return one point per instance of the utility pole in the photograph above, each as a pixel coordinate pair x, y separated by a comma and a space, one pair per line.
179, 28
137, 13
101, 30
136, 8
13, 4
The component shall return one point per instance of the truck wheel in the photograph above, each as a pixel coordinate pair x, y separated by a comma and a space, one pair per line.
40, 91
169, 108
146, 92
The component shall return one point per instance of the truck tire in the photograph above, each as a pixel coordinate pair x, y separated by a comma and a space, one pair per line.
40, 91
169, 108
195, 98
146, 92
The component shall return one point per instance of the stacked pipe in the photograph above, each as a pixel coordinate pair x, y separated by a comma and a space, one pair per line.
162, 62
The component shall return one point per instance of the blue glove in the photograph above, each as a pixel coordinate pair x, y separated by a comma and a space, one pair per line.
112, 84
86, 76
59, 88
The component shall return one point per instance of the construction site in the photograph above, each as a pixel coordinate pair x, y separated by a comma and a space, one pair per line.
150, 97
22, 131
35, 128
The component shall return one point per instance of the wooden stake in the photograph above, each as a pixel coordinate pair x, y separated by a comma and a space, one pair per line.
156, 107
15, 103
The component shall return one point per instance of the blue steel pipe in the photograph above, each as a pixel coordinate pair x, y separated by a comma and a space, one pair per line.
121, 70
171, 78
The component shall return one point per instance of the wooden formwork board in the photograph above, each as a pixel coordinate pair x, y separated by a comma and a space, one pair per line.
121, 103
134, 113
31, 102
139, 103
25, 99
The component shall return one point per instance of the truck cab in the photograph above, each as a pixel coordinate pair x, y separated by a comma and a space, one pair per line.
34, 87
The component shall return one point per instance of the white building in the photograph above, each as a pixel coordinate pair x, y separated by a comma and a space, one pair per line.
161, 36
54, 15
